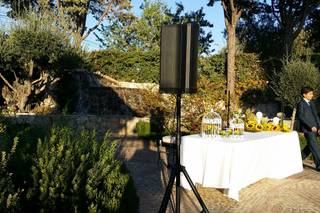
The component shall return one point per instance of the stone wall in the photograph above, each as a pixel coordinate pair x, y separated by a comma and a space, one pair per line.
108, 81
119, 126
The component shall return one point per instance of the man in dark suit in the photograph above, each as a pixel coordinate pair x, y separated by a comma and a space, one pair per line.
310, 125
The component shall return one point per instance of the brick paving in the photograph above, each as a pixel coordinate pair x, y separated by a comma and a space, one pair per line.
298, 193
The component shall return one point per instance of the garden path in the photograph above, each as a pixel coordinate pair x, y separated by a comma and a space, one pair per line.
297, 193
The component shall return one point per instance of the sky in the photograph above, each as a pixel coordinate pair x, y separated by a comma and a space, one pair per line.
3, 17
213, 14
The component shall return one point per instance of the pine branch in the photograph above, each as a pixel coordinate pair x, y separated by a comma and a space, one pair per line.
105, 13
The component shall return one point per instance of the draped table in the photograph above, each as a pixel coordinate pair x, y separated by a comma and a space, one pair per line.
233, 164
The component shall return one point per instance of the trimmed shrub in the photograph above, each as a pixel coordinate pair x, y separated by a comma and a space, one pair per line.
288, 83
143, 129
9, 197
21, 162
75, 173
295, 74
65, 171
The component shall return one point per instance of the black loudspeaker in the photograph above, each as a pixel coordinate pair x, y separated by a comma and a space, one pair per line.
179, 56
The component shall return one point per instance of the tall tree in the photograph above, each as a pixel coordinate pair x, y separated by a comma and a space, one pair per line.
291, 16
257, 32
198, 17
313, 24
27, 68
117, 32
72, 15
137, 32
147, 27
19, 7
144, 32
263, 30
232, 11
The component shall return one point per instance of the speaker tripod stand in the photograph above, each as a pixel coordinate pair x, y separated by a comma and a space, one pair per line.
177, 169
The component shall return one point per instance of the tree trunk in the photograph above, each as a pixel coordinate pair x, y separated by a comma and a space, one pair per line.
29, 67
288, 44
232, 12
23, 95
231, 60
19, 96
293, 118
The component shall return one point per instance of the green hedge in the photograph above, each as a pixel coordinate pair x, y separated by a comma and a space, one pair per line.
251, 85
134, 65
143, 66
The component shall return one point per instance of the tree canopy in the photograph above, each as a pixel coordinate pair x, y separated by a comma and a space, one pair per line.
288, 83
32, 54
313, 24
273, 26
71, 15
143, 32
205, 38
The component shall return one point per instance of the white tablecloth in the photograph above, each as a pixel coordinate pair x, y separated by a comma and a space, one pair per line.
234, 164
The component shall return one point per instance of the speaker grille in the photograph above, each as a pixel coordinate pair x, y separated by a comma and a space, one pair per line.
170, 58
179, 55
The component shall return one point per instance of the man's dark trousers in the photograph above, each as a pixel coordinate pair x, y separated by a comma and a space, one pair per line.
308, 118
312, 147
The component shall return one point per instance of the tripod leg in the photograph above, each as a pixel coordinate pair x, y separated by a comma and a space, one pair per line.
178, 191
196, 193
167, 194
159, 147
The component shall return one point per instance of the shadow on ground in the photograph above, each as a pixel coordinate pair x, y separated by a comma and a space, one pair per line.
141, 158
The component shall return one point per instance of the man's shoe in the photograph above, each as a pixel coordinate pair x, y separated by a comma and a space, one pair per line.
318, 168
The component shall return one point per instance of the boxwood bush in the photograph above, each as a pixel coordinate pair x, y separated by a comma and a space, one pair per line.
143, 129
